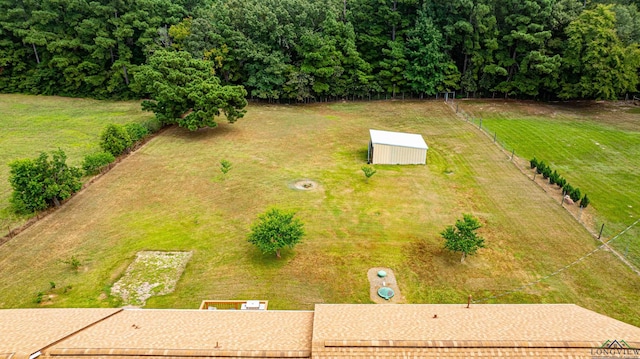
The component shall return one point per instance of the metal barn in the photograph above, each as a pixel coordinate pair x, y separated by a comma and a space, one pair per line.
397, 148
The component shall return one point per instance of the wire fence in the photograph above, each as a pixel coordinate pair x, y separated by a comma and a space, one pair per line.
562, 269
628, 247
624, 244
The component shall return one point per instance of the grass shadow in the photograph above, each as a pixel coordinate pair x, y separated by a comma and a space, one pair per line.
362, 154
269, 261
206, 133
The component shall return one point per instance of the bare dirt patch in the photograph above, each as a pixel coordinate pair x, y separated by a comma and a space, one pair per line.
151, 273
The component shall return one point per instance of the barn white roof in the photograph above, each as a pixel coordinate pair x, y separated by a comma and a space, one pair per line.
401, 139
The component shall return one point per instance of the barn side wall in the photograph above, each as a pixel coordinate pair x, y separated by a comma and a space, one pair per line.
395, 155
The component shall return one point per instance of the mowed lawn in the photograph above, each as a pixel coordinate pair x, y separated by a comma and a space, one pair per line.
33, 124
170, 195
595, 146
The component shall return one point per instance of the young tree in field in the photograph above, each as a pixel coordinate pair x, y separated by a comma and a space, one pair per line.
186, 92
368, 171
225, 166
462, 237
276, 229
39, 183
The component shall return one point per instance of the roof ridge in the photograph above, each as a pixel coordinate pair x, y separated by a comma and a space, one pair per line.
461, 343
179, 352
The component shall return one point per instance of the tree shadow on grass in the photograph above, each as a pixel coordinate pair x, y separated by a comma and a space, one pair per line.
427, 257
269, 261
222, 130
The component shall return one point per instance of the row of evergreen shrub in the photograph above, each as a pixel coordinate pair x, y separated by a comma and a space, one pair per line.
555, 179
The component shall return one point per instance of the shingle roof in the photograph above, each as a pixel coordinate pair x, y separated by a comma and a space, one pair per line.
348, 330
194, 333
401, 139
331, 331
26, 331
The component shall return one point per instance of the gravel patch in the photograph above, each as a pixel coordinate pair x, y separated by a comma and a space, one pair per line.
151, 273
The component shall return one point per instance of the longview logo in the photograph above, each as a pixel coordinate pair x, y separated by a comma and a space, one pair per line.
615, 349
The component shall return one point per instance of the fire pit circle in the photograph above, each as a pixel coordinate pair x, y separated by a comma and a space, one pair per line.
305, 185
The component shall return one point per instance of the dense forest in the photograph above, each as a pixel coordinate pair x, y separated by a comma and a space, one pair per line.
314, 50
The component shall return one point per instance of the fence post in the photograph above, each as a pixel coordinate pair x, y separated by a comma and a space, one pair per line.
480, 125
580, 214
601, 228
495, 134
626, 250
456, 107
512, 152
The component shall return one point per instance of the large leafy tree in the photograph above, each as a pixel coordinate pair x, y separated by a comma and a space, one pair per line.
523, 53
40, 183
80, 47
627, 23
462, 237
596, 64
430, 69
322, 49
185, 91
276, 229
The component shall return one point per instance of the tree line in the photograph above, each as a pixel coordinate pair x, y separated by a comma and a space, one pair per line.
313, 50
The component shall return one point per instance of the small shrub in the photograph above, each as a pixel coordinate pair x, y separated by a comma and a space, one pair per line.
567, 189
546, 172
136, 131
553, 178
95, 162
52, 285
115, 140
540, 167
39, 297
73, 262
368, 171
225, 166
152, 125
561, 181
575, 194
584, 202
533, 163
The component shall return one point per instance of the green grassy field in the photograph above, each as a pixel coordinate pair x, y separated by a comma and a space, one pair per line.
33, 124
170, 195
595, 146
